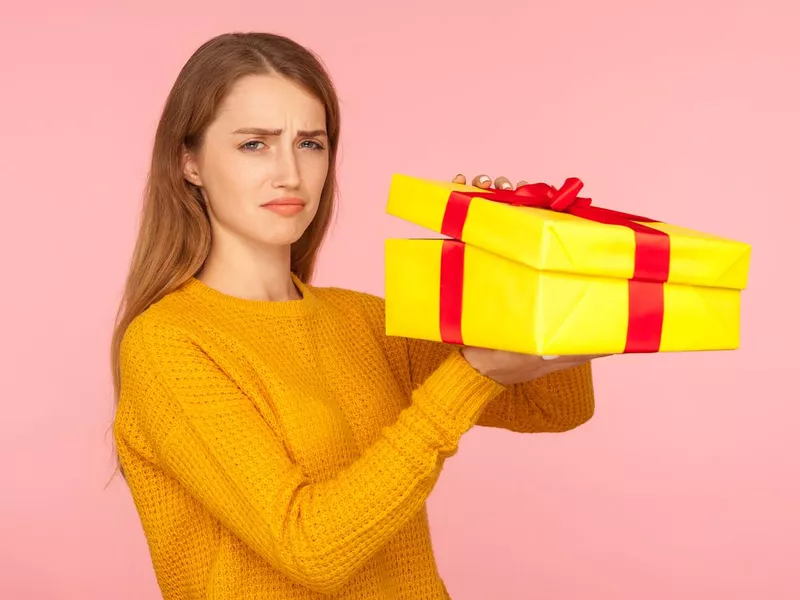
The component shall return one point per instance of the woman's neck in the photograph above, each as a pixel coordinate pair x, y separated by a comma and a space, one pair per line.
252, 274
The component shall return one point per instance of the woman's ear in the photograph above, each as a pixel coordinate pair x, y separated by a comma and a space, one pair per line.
190, 171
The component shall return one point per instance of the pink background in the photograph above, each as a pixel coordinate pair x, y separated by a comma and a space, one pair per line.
685, 484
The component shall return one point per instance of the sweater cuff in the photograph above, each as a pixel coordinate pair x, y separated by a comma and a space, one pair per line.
455, 395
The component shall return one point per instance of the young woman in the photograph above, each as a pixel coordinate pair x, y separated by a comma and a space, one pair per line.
276, 442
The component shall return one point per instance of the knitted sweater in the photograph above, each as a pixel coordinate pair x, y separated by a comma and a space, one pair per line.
285, 450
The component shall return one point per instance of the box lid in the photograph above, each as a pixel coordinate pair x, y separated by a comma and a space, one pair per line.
556, 241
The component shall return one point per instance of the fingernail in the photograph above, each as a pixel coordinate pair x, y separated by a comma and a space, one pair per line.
550, 356
505, 186
484, 179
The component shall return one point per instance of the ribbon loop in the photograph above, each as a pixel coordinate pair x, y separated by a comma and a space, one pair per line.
539, 195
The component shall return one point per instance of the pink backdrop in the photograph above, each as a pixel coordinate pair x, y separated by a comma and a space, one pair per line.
685, 485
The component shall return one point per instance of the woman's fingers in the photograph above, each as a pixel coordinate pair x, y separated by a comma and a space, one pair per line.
482, 181
502, 183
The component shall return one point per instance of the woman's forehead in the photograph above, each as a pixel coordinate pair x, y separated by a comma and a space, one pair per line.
271, 102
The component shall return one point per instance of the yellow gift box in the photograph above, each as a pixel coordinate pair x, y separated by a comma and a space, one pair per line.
536, 280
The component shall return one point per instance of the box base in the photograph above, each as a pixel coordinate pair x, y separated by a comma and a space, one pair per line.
509, 306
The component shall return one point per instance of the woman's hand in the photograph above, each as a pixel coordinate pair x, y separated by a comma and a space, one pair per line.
485, 182
508, 368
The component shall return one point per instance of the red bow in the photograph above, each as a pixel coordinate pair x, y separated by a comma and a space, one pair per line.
541, 195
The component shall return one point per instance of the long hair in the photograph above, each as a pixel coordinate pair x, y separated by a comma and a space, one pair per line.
175, 234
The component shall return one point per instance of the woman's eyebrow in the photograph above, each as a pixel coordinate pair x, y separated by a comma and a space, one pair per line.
275, 132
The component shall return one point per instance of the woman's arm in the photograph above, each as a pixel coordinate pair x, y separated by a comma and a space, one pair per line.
554, 403
207, 434
557, 402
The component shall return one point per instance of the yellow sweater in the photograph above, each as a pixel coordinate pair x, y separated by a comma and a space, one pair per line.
285, 450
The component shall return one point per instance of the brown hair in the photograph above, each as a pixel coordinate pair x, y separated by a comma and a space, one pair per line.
175, 235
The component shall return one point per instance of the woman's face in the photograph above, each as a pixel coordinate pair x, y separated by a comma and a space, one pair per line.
263, 162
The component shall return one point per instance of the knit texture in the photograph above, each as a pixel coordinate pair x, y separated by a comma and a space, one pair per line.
285, 450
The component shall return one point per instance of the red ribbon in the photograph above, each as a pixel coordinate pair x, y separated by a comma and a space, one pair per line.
645, 288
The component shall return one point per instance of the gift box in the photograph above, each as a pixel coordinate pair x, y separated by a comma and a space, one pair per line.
544, 271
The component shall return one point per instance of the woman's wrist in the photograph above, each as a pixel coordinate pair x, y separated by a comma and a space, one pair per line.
509, 368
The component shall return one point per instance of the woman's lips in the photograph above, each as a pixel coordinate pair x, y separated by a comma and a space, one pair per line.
285, 206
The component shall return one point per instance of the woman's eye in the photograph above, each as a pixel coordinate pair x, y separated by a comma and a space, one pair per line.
252, 145
312, 145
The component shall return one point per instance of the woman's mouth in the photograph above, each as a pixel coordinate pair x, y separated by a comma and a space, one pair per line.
285, 206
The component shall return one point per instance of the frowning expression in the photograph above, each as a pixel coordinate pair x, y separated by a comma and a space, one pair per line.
263, 161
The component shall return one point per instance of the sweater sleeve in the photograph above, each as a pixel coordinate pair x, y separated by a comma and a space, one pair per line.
554, 403
209, 436
557, 402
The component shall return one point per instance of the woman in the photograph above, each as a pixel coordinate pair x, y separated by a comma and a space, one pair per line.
276, 442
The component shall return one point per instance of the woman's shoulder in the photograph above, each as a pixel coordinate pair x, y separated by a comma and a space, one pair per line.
171, 320
352, 302
162, 323
347, 297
